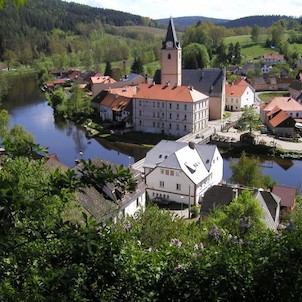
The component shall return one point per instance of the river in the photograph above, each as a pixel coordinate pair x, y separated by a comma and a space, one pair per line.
28, 107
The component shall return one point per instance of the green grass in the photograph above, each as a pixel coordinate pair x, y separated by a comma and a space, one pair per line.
266, 97
243, 39
254, 51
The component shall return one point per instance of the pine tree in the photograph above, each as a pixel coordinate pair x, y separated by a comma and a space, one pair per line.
108, 69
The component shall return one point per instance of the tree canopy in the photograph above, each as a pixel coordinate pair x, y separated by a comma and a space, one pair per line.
247, 172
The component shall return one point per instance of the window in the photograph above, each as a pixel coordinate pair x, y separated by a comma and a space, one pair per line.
177, 116
170, 115
153, 114
140, 113
167, 172
172, 173
177, 127
178, 187
170, 126
177, 106
297, 114
169, 56
170, 105
154, 124
185, 117
140, 123
161, 184
140, 103
185, 127
162, 171
185, 106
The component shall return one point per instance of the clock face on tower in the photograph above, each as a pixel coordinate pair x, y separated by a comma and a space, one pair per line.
169, 44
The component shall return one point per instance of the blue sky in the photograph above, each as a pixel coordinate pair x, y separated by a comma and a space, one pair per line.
227, 9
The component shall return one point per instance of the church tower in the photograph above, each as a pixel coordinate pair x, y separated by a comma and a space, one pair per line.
171, 58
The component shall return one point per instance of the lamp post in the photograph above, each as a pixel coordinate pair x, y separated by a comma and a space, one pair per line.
181, 205
189, 208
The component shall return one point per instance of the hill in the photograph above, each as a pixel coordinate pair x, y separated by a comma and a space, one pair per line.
38, 18
262, 21
186, 21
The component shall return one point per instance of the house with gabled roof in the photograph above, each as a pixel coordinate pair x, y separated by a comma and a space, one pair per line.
286, 104
99, 83
295, 89
238, 95
287, 195
222, 195
180, 172
271, 58
109, 202
281, 123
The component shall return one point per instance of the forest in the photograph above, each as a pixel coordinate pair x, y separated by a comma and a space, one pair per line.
57, 34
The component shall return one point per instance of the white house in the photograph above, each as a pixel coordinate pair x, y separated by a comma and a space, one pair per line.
181, 172
173, 110
239, 95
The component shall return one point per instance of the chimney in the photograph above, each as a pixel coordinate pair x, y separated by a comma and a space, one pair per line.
192, 145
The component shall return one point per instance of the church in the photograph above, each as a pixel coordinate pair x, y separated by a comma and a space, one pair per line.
179, 101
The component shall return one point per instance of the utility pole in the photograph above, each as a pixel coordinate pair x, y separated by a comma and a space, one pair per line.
189, 208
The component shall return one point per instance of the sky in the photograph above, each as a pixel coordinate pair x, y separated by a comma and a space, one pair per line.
220, 9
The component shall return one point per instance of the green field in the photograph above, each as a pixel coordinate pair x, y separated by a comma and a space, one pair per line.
243, 39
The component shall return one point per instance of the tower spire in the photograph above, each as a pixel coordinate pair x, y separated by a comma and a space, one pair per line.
171, 35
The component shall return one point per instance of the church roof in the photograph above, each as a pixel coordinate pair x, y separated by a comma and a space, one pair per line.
209, 81
171, 35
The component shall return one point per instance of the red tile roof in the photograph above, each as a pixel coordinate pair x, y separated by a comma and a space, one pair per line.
169, 93
287, 195
102, 80
127, 91
273, 111
284, 103
241, 82
275, 56
116, 102
279, 118
235, 90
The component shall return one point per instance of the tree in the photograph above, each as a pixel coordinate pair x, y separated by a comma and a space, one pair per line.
108, 69
249, 120
255, 33
237, 54
137, 66
231, 54
195, 56
3, 84
247, 172
221, 55
16, 3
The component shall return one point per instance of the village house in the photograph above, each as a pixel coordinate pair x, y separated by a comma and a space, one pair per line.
109, 202
281, 115
116, 105
222, 195
295, 89
101, 83
271, 58
288, 197
264, 83
180, 172
239, 95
